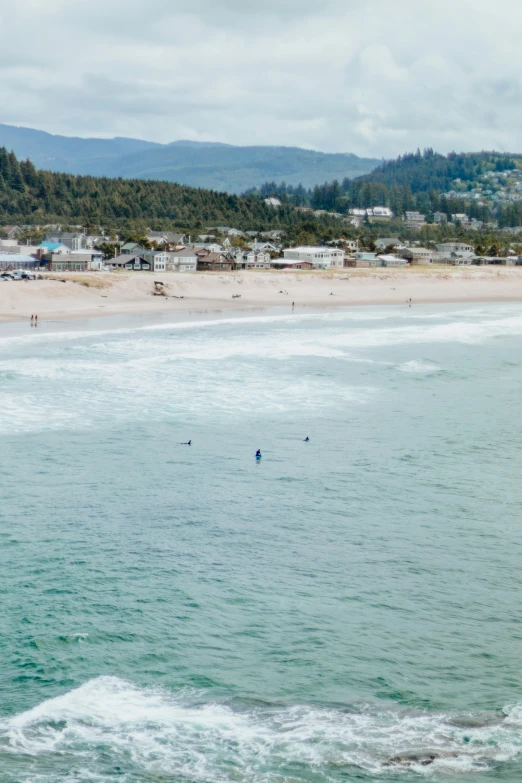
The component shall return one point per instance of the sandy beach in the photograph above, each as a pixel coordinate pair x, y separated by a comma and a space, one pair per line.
106, 294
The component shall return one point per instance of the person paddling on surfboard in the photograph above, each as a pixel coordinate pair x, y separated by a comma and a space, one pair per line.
189, 443
307, 439
258, 454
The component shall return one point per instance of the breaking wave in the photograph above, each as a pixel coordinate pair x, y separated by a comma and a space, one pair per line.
154, 732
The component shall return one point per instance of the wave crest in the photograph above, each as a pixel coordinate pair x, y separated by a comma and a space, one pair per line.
153, 731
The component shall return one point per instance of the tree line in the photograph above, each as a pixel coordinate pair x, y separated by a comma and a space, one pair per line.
416, 182
36, 197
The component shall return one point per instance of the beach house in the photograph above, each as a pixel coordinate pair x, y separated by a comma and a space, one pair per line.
319, 257
417, 255
130, 263
250, 259
455, 247
214, 262
185, 260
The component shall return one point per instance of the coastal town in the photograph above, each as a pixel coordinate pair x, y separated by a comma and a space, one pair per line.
226, 249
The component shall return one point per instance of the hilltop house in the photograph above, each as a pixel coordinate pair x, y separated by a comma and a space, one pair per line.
382, 244
273, 235
383, 213
166, 238
10, 232
460, 217
440, 217
415, 219
132, 248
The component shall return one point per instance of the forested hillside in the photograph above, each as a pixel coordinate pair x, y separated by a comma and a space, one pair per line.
36, 197
427, 182
426, 171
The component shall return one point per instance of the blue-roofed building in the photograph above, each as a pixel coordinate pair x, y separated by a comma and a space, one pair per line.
54, 247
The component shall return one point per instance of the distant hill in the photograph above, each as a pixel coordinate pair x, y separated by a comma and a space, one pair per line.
215, 166
31, 196
485, 186
432, 171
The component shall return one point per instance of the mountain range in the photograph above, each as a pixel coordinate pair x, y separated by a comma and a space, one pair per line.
221, 167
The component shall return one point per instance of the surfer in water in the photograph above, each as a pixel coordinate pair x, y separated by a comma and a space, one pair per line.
188, 443
307, 439
258, 454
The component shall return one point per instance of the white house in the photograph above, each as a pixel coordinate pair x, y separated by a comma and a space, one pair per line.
384, 242
417, 255
157, 259
184, 260
460, 217
319, 257
249, 259
93, 258
380, 212
455, 247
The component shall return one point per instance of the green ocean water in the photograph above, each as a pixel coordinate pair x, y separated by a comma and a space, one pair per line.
345, 610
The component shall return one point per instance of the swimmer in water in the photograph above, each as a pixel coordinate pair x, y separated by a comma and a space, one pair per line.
258, 453
307, 439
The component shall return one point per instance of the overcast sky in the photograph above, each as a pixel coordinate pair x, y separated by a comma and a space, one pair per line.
367, 76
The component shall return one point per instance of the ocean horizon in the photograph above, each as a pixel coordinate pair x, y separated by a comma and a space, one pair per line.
342, 610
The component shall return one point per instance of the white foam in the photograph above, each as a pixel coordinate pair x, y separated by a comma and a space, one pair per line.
185, 736
424, 368
349, 315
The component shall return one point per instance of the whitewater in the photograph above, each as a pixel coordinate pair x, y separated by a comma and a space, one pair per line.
344, 610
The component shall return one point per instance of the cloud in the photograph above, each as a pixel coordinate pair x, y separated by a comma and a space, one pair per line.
370, 77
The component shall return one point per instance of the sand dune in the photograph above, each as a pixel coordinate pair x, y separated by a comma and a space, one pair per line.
103, 294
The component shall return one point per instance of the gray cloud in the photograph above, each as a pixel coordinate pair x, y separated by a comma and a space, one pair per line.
370, 77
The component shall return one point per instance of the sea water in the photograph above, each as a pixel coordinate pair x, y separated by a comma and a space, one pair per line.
347, 609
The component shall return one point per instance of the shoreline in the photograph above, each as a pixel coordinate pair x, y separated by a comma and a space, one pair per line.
89, 296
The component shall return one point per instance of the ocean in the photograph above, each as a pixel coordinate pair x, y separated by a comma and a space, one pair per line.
342, 610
